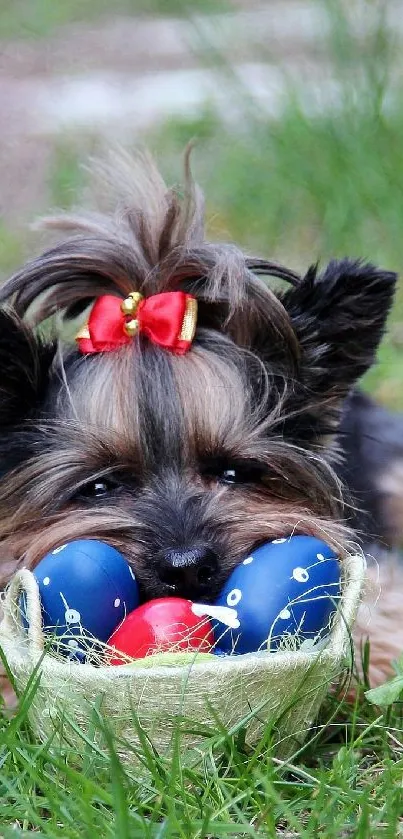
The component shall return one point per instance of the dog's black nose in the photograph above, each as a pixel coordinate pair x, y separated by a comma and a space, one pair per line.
189, 572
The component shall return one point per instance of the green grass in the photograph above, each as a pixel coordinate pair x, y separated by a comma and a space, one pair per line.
346, 782
11, 248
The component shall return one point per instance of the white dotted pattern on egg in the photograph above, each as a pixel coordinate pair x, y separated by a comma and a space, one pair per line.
60, 548
278, 541
284, 614
248, 560
72, 643
117, 602
46, 581
72, 616
300, 575
224, 614
234, 596
320, 557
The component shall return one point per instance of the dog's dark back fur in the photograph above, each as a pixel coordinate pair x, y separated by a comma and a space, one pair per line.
371, 439
214, 451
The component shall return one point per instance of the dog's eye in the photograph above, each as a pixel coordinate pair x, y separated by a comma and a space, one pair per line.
95, 489
243, 473
230, 476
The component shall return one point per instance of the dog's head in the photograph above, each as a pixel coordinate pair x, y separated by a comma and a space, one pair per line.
183, 462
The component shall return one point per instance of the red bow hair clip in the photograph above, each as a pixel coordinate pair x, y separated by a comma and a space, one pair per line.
168, 319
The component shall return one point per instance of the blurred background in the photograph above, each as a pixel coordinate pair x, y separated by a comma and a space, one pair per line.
296, 106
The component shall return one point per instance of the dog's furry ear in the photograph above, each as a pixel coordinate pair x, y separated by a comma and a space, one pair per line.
339, 318
25, 362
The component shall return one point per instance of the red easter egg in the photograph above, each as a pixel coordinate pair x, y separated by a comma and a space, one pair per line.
166, 624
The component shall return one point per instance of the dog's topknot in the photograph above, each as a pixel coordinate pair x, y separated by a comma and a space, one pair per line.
151, 239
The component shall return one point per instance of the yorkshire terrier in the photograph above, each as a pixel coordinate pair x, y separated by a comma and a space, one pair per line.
203, 410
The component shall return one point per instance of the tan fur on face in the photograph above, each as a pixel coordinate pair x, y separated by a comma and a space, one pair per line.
215, 402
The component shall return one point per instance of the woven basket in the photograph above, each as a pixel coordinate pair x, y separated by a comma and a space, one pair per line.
285, 688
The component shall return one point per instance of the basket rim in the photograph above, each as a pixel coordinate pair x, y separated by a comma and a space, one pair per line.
21, 649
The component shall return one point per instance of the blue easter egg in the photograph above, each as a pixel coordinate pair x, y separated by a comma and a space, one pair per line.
286, 587
87, 588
